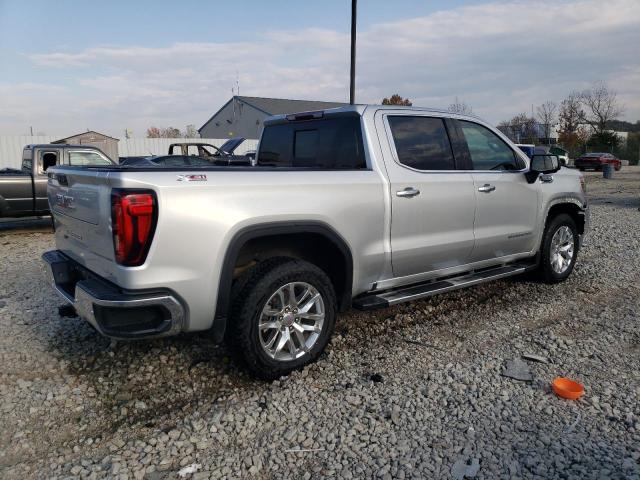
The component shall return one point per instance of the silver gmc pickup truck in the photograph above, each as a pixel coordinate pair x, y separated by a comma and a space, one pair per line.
359, 206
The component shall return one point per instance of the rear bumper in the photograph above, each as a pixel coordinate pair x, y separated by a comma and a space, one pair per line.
110, 310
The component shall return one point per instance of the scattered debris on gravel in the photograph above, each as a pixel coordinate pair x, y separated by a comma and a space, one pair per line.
74, 404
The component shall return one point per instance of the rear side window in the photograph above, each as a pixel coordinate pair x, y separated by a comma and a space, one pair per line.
422, 142
332, 143
487, 150
80, 158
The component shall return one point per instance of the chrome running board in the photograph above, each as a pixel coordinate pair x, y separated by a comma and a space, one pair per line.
415, 292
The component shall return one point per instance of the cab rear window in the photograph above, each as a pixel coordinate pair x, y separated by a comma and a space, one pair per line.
331, 144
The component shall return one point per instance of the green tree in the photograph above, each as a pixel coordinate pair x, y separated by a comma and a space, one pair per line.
632, 150
605, 140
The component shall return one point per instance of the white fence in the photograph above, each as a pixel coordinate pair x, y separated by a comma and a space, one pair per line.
11, 146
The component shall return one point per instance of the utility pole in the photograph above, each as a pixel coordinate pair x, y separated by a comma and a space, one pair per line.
352, 86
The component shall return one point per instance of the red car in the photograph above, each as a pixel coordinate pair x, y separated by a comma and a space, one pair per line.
597, 161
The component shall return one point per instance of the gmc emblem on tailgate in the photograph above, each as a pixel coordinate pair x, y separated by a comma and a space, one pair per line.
192, 178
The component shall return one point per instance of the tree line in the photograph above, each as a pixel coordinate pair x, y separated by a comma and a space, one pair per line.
585, 119
190, 131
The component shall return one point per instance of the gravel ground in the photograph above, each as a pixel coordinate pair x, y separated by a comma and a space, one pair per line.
413, 391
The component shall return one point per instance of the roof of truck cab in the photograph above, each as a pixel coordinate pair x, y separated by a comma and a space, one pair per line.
360, 109
58, 145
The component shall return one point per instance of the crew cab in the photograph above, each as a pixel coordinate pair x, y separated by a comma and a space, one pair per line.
358, 206
24, 192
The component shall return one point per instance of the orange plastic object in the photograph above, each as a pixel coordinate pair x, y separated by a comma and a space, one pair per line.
567, 388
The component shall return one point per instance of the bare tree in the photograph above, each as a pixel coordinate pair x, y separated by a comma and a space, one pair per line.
547, 116
572, 133
459, 106
169, 132
396, 99
602, 106
571, 113
191, 131
154, 132
520, 129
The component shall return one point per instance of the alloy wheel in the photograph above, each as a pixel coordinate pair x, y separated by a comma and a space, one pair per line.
291, 321
562, 249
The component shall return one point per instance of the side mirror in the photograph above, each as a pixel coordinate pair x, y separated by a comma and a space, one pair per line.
542, 163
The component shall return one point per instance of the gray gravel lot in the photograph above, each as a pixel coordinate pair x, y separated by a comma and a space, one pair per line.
413, 391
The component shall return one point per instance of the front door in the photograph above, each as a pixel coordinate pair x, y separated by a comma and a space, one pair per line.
432, 204
507, 205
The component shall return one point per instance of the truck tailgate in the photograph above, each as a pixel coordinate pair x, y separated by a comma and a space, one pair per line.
80, 201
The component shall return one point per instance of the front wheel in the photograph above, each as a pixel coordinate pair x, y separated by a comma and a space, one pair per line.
282, 318
559, 249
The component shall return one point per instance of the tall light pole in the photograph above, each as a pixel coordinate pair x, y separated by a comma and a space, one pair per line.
352, 87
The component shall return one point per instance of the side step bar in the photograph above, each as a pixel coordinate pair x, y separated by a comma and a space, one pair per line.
407, 294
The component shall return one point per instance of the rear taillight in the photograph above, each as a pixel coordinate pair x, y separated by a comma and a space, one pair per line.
133, 220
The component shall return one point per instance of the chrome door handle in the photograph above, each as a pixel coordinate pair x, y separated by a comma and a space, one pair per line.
486, 188
408, 192
546, 178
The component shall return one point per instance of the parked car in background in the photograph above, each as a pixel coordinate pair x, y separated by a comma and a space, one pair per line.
527, 148
597, 161
561, 153
24, 192
264, 257
530, 150
222, 155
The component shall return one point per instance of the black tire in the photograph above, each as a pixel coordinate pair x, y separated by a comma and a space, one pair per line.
581, 169
545, 269
252, 292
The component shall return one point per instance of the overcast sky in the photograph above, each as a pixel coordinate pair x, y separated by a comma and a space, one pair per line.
67, 66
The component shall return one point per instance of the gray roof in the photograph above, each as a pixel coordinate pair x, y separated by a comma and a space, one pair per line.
64, 140
275, 106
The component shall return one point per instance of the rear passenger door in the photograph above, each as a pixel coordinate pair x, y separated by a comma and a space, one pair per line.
507, 205
432, 203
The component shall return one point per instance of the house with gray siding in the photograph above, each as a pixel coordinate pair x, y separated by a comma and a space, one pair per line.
243, 116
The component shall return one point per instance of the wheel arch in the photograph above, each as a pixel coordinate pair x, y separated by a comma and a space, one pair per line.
571, 207
291, 236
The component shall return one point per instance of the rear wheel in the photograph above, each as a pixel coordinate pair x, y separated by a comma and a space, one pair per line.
559, 249
282, 318
618, 167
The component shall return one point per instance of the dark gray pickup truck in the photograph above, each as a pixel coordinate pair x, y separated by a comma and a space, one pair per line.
24, 192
